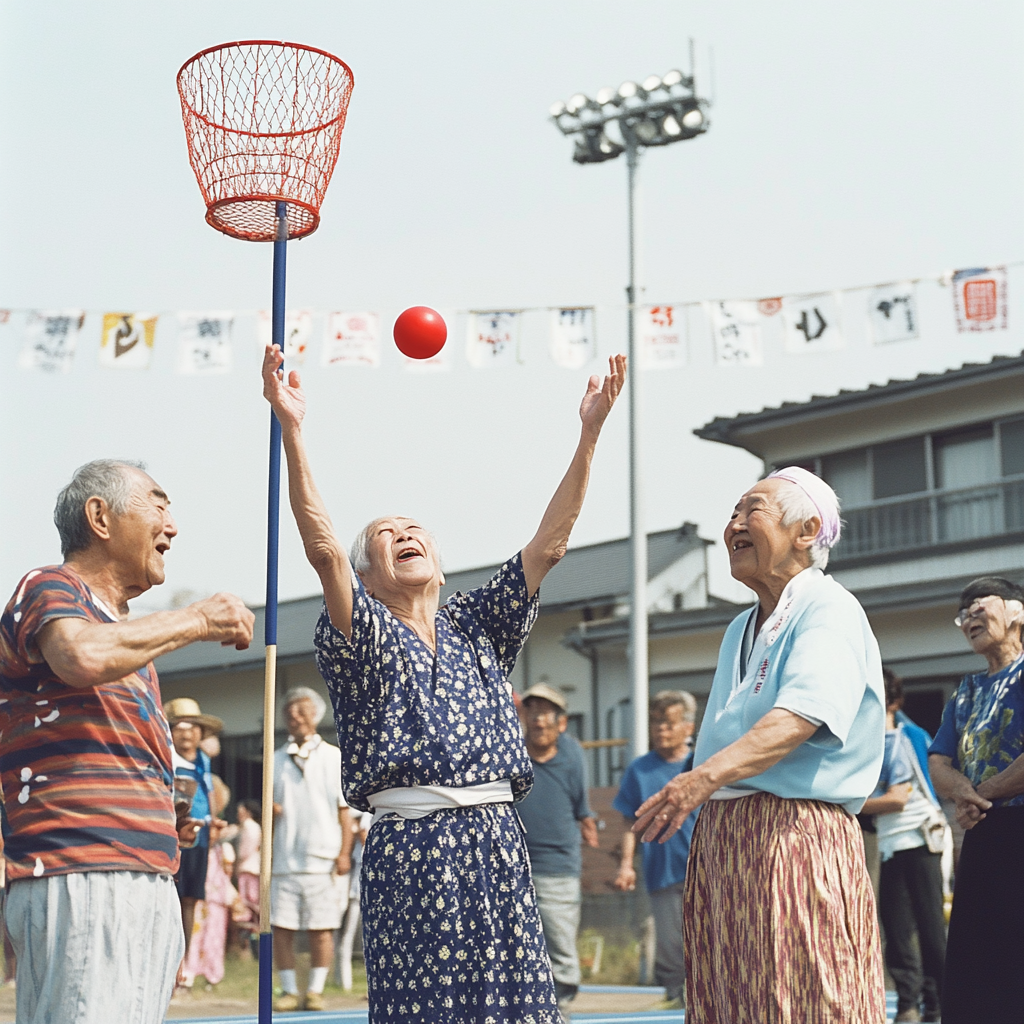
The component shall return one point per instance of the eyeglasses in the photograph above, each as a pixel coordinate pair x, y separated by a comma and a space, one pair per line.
975, 611
540, 714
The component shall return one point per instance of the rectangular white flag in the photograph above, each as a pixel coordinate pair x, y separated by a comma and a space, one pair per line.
573, 336
352, 339
298, 332
811, 323
204, 342
50, 339
737, 333
892, 309
979, 299
662, 331
492, 339
126, 342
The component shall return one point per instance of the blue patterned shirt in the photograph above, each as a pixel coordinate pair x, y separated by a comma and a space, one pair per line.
982, 728
406, 717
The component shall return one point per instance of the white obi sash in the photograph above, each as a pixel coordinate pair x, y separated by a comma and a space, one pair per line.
419, 801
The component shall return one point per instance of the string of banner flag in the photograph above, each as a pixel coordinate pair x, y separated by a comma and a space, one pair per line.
810, 323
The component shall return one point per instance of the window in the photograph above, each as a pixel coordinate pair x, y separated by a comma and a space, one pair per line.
1011, 441
899, 468
965, 459
847, 475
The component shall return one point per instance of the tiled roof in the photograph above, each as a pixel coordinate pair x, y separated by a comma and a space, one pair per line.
594, 574
726, 428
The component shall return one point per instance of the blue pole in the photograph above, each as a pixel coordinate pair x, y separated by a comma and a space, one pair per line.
266, 990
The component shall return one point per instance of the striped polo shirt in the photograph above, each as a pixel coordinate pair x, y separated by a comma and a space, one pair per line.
86, 773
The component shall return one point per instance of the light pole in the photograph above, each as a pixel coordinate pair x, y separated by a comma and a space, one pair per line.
657, 112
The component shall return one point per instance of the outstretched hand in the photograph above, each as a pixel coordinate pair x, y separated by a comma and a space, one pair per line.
286, 397
600, 397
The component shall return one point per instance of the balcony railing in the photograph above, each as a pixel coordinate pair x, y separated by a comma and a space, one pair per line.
938, 517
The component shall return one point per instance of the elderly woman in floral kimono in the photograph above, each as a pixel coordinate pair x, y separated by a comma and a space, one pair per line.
431, 741
779, 916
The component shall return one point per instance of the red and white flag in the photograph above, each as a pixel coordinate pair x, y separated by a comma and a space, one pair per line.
662, 331
352, 339
298, 332
492, 339
979, 299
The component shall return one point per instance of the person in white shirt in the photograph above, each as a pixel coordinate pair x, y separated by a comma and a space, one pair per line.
910, 888
312, 852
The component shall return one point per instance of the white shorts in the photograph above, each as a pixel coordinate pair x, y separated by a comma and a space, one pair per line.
308, 902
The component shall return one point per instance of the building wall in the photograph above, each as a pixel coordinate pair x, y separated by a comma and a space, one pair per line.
886, 421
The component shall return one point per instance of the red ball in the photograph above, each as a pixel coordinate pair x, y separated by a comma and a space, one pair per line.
420, 332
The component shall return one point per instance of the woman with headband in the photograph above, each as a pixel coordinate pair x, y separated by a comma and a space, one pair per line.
778, 914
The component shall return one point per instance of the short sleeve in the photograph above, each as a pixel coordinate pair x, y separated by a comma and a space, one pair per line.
947, 739
42, 596
629, 798
580, 803
823, 680
504, 609
357, 661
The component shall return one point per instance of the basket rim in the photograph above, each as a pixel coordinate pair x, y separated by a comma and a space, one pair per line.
265, 42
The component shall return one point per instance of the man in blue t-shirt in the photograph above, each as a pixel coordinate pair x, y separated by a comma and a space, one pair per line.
671, 716
555, 813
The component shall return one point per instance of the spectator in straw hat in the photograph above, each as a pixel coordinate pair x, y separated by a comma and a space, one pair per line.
189, 727
92, 843
555, 813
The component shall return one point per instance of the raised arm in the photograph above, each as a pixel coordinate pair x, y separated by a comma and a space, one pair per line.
323, 550
552, 538
86, 654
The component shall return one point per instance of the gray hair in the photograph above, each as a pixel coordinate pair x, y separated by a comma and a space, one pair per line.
797, 507
359, 553
297, 693
108, 479
661, 702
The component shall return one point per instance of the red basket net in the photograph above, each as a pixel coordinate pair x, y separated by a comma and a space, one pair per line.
263, 121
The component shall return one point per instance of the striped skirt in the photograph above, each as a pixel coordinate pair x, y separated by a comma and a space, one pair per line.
779, 918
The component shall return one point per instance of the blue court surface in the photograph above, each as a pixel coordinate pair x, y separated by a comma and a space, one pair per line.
359, 1016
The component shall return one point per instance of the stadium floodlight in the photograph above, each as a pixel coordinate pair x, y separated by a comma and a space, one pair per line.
662, 110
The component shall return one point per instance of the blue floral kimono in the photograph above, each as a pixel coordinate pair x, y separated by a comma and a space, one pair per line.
451, 931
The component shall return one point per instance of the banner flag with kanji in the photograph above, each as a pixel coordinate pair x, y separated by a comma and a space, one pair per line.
204, 342
492, 339
663, 336
979, 299
737, 333
298, 332
352, 339
573, 336
126, 342
50, 339
811, 323
892, 310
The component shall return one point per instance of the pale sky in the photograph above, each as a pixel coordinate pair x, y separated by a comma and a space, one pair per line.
850, 145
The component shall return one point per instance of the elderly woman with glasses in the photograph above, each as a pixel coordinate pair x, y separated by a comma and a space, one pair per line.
431, 740
778, 913
977, 761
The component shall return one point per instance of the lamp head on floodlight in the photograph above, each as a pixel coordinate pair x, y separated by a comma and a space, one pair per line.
660, 110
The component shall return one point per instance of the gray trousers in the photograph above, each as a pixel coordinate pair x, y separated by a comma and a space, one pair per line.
558, 900
669, 968
95, 947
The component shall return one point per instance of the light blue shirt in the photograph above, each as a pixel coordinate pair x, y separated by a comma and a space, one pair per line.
816, 656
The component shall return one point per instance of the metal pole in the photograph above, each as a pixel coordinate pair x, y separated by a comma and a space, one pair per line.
266, 986
637, 525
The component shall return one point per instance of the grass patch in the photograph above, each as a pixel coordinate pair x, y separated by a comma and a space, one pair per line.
619, 962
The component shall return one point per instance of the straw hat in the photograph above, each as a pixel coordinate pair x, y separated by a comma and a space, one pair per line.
182, 709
